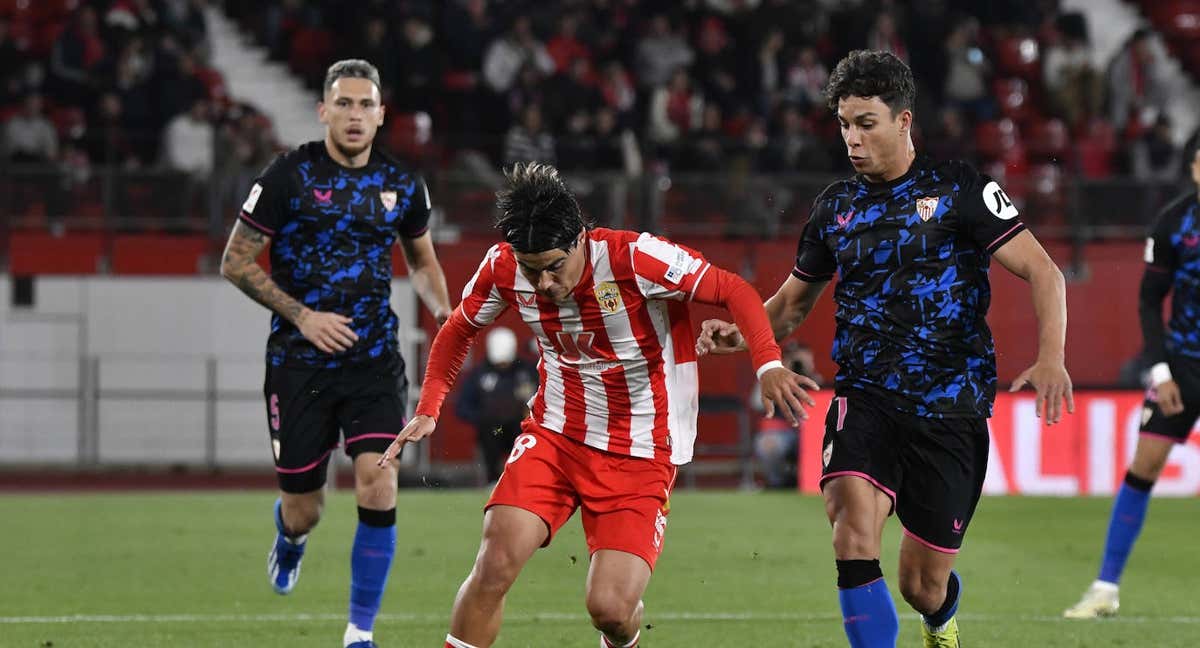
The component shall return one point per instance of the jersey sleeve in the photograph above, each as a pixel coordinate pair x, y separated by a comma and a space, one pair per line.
482, 302
1160, 253
666, 270
266, 206
814, 261
987, 213
416, 218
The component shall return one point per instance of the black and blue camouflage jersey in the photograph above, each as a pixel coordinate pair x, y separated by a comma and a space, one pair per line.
912, 294
1173, 248
332, 230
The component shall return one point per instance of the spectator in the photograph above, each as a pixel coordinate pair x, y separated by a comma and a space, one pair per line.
1136, 92
794, 147
527, 141
616, 147
968, 70
806, 79
617, 90
764, 76
29, 137
12, 62
565, 48
660, 53
951, 139
1154, 155
377, 45
674, 110
571, 93
418, 66
493, 398
508, 54
189, 150
705, 149
577, 148
884, 35
716, 65
1073, 86
468, 28
777, 443
74, 56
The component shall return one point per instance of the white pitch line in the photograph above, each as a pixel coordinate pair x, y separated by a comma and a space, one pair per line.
651, 617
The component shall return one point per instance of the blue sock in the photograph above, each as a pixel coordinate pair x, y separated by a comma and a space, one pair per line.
370, 562
868, 613
1128, 514
950, 606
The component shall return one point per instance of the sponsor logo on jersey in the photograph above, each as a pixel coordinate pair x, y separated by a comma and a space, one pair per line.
252, 199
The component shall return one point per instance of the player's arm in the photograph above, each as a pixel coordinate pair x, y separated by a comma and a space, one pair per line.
786, 310
480, 306
1025, 257
1156, 284
427, 276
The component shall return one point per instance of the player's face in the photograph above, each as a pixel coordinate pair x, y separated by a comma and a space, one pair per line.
876, 141
352, 113
555, 273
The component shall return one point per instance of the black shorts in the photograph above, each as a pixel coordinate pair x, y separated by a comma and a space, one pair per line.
307, 407
1186, 373
932, 468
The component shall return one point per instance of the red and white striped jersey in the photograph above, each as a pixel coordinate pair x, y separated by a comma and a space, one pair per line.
618, 367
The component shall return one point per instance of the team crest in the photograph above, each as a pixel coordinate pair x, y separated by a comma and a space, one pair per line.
388, 198
609, 296
927, 206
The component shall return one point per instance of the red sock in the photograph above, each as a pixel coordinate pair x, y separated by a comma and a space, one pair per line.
607, 643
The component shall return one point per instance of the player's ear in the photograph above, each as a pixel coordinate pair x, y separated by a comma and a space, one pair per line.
321, 112
906, 120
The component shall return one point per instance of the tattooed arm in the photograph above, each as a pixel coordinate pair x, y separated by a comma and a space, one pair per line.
329, 332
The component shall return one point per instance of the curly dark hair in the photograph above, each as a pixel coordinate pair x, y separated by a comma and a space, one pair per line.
538, 213
872, 73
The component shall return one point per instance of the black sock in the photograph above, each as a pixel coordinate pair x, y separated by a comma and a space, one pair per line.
856, 573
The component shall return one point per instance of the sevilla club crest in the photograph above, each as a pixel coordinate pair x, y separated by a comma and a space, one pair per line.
926, 207
388, 198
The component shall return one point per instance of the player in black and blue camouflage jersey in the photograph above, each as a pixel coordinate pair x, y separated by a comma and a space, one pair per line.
910, 240
1173, 401
331, 211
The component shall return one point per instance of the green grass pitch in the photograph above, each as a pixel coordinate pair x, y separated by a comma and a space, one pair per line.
739, 569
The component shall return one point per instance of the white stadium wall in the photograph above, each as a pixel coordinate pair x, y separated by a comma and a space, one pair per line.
146, 347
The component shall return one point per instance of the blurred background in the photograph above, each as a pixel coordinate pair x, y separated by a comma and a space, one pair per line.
131, 131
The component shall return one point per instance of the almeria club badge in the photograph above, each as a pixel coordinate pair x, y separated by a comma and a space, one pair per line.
926, 207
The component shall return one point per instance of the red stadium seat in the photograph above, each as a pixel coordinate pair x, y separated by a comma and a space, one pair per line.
159, 254
1094, 149
69, 121
1013, 97
995, 139
38, 253
1019, 56
311, 51
409, 135
1049, 139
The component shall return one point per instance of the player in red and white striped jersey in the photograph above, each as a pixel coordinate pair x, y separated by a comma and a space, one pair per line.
615, 413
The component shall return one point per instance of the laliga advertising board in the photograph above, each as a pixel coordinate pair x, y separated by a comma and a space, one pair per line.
1085, 454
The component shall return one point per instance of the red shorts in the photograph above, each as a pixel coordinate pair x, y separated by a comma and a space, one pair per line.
625, 500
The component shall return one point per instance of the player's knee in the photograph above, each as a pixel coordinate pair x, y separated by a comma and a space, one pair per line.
377, 491
853, 541
495, 571
925, 595
611, 611
301, 517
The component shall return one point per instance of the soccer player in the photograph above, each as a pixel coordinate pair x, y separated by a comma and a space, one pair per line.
1173, 402
330, 211
910, 239
615, 412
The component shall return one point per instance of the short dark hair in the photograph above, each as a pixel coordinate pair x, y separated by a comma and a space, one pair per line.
353, 69
873, 73
538, 213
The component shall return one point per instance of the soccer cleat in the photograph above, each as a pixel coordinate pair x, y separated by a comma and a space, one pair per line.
1101, 600
943, 637
362, 644
283, 563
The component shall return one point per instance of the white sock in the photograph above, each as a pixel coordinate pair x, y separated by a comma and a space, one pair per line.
1105, 586
353, 634
457, 643
605, 642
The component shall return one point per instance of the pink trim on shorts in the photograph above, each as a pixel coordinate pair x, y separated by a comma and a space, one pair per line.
1165, 437
945, 550
854, 473
293, 471
370, 435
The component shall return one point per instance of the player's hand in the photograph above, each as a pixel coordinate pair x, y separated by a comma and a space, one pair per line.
784, 389
329, 332
717, 337
441, 315
1168, 398
1053, 386
418, 428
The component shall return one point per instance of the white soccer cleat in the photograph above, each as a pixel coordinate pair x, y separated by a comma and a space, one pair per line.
1100, 600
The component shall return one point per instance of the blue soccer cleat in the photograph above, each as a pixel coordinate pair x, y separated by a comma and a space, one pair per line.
362, 644
283, 563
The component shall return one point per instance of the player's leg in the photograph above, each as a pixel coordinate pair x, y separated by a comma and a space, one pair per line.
371, 413
303, 434
625, 502
615, 584
1159, 435
532, 500
859, 481
944, 463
